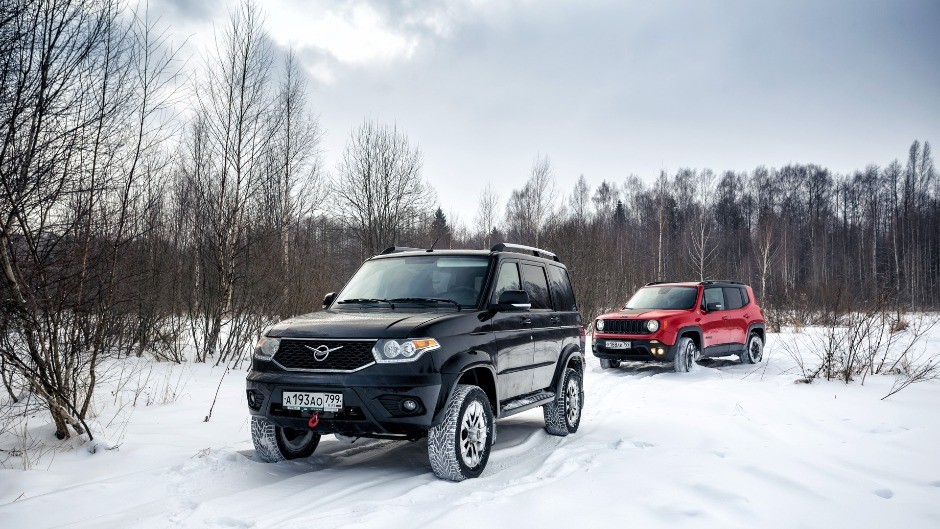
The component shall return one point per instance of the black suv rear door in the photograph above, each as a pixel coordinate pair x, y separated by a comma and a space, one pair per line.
546, 343
565, 322
513, 335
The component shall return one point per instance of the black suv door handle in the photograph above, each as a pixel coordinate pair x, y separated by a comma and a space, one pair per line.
527, 321
555, 320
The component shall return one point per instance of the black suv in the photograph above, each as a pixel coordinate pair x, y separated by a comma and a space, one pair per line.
424, 343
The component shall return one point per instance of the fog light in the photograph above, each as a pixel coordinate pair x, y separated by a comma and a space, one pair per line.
409, 405
255, 399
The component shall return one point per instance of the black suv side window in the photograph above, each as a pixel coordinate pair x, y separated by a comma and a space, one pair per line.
533, 282
508, 279
733, 298
713, 295
561, 289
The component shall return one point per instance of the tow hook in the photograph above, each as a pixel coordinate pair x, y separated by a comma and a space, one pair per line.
314, 420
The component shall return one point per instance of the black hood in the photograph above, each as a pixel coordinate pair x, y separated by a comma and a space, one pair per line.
368, 323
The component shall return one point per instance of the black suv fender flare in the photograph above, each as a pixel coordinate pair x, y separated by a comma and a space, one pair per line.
571, 354
476, 365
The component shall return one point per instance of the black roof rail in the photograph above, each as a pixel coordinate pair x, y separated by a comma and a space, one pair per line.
721, 281
398, 249
518, 248
657, 283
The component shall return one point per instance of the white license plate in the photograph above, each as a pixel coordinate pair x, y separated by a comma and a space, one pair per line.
300, 400
613, 344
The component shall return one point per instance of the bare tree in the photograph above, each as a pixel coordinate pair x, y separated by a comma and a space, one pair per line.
579, 201
379, 187
231, 134
605, 199
293, 185
486, 213
81, 86
701, 248
663, 207
530, 209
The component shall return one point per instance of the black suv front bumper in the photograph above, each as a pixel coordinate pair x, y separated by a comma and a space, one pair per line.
640, 350
372, 401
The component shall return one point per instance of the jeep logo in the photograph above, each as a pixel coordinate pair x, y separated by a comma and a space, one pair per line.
320, 352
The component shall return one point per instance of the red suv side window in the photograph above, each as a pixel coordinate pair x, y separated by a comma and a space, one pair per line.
733, 299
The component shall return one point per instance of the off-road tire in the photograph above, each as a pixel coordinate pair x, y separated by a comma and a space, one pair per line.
563, 415
753, 350
272, 443
609, 364
446, 439
687, 354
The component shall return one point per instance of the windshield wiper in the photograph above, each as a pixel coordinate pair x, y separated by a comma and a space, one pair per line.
366, 300
425, 300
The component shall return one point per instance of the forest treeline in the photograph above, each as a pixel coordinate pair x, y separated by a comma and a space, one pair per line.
172, 207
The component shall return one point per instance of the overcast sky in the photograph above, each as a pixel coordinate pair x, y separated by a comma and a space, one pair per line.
608, 89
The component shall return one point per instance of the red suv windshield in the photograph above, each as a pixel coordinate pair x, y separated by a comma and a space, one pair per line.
664, 297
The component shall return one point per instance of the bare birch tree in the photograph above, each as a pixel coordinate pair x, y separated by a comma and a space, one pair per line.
233, 132
701, 226
379, 187
487, 212
530, 209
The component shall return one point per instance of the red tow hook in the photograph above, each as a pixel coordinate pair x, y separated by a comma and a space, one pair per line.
314, 420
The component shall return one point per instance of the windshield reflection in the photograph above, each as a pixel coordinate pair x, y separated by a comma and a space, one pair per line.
445, 281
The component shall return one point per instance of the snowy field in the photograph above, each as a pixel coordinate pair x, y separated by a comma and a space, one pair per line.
725, 446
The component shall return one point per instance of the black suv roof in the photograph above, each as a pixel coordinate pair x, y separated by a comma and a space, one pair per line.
528, 251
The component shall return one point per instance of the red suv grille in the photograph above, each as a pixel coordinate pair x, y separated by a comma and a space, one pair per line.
625, 327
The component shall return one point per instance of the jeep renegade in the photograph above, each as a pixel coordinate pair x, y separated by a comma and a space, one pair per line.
681, 323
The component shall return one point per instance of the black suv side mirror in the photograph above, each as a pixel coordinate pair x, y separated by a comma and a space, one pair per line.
328, 299
514, 300
712, 307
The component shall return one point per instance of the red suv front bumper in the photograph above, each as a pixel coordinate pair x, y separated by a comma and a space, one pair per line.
659, 346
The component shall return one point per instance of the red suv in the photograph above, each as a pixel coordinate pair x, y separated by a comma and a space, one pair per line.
681, 323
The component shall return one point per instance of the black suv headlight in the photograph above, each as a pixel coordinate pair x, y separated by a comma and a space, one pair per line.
395, 351
266, 348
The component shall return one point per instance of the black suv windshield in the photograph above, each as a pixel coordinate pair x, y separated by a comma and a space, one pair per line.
422, 280
667, 298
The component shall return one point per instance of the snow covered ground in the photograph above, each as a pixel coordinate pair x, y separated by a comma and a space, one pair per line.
725, 446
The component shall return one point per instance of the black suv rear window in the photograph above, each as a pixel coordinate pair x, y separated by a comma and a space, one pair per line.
561, 289
533, 282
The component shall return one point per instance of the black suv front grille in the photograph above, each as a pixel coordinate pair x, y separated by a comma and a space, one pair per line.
625, 327
342, 356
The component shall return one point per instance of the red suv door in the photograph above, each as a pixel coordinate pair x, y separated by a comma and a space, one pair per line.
736, 322
713, 322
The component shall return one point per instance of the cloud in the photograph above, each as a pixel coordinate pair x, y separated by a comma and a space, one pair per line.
184, 10
345, 34
360, 34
